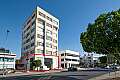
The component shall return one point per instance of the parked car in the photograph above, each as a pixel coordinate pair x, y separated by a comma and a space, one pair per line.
115, 67
72, 69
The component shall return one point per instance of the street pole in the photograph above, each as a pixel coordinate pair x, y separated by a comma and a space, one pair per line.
4, 55
3, 64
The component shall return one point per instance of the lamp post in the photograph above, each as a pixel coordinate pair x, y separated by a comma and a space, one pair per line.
4, 54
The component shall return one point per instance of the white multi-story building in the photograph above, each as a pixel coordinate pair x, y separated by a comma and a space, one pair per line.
69, 59
90, 59
40, 39
7, 59
96, 57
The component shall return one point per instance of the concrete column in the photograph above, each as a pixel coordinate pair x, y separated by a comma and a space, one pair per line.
64, 60
14, 63
64, 64
67, 65
43, 61
70, 64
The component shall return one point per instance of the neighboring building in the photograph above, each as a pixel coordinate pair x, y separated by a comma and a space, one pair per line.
90, 59
69, 59
96, 57
81, 62
7, 59
40, 39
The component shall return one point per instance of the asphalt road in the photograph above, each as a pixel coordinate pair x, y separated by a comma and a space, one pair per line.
78, 75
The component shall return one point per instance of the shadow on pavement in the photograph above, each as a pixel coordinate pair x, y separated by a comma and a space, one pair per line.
41, 77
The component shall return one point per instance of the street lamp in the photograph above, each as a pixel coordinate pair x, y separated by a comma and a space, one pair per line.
4, 54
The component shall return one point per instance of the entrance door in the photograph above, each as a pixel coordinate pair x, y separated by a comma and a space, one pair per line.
48, 62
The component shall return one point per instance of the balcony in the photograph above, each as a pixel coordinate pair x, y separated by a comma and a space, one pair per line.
71, 57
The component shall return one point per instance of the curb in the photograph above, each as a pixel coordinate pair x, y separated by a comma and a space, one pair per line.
30, 73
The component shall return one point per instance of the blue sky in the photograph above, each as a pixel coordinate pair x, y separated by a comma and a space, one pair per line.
74, 15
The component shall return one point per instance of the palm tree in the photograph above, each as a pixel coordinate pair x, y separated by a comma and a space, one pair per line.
37, 63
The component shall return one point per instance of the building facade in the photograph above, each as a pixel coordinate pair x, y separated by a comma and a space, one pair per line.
7, 59
91, 59
40, 39
69, 59
88, 60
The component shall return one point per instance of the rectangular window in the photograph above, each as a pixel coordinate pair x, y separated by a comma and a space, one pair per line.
49, 25
68, 59
28, 46
33, 16
49, 38
49, 32
32, 51
28, 21
40, 27
27, 28
41, 21
40, 36
10, 59
40, 43
39, 51
32, 30
62, 59
32, 37
41, 14
55, 28
32, 44
27, 40
48, 18
33, 23
74, 60
1, 59
55, 22
55, 35
48, 52
62, 54
48, 45
54, 47
55, 41
27, 34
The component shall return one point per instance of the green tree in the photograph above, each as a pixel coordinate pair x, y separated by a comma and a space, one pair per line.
37, 63
103, 35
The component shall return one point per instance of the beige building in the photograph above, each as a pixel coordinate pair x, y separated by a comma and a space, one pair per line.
40, 39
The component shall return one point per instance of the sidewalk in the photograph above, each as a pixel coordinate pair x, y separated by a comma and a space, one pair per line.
107, 76
29, 73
